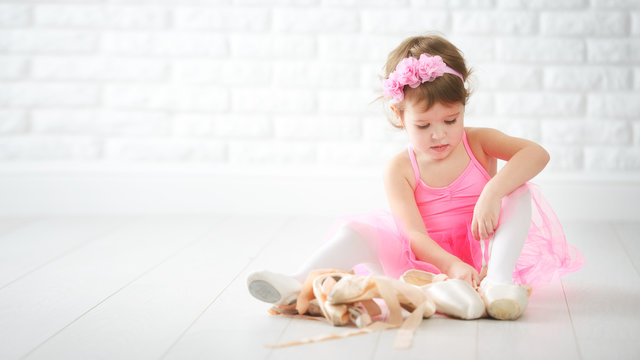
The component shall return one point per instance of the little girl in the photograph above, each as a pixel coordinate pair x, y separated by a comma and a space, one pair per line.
445, 194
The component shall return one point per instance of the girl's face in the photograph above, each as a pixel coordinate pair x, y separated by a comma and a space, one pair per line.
435, 132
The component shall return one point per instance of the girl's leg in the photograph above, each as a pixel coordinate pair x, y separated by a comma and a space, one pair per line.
343, 251
346, 249
503, 299
509, 238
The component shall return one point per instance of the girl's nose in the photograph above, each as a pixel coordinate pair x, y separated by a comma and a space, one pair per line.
437, 134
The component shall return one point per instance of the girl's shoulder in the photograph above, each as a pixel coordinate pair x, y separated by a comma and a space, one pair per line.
400, 166
477, 138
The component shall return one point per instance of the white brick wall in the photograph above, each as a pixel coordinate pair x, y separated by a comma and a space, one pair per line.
290, 82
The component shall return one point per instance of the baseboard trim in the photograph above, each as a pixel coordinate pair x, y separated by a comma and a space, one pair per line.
47, 192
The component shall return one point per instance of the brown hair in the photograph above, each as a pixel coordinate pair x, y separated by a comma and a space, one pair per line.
447, 89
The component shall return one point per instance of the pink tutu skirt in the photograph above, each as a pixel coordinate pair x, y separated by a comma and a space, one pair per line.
546, 256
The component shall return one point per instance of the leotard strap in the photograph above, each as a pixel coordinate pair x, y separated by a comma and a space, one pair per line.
414, 164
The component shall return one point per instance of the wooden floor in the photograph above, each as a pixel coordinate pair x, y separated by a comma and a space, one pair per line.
173, 287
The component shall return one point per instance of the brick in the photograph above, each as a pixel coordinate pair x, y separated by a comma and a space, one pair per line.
225, 19
272, 47
97, 122
166, 97
12, 121
301, 3
164, 150
317, 74
267, 152
565, 158
616, 4
51, 41
580, 132
522, 127
45, 94
506, 77
100, 16
356, 154
228, 126
587, 78
232, 73
366, 3
351, 102
194, 125
539, 104
475, 49
403, 21
12, 67
541, 4
635, 23
548, 50
492, 22
611, 158
14, 15
315, 20
97, 68
379, 129
608, 51
317, 127
584, 23
268, 101
614, 105
46, 148
356, 48
165, 43
480, 104
431, 4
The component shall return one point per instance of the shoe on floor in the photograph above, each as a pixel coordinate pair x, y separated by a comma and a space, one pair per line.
273, 288
504, 301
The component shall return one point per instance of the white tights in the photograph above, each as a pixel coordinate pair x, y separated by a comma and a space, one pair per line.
348, 248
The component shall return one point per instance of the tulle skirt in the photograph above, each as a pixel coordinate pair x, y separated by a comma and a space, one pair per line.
546, 256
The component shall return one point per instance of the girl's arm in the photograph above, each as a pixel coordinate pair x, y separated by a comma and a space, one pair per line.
402, 202
525, 159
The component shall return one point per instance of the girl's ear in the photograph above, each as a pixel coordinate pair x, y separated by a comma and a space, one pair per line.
397, 114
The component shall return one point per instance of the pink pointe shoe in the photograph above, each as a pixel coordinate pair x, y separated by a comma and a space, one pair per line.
453, 297
273, 288
504, 301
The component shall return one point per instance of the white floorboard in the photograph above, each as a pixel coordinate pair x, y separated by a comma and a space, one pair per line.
173, 287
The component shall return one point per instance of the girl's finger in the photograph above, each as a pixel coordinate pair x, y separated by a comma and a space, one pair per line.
474, 228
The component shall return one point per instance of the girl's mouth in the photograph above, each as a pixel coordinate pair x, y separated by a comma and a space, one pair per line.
439, 148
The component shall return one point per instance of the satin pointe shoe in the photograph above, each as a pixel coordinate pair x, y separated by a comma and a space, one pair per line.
504, 301
273, 288
453, 297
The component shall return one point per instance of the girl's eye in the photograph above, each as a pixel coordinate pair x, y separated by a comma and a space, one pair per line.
450, 122
423, 126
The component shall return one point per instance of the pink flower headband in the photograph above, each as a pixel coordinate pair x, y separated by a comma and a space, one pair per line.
413, 72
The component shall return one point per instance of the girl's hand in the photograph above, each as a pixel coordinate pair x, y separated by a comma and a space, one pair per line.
485, 216
463, 271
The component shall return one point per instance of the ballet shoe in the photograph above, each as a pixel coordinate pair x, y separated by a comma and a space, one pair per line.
504, 301
273, 288
452, 297
354, 288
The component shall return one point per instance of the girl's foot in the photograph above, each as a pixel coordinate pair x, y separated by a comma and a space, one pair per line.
273, 288
504, 301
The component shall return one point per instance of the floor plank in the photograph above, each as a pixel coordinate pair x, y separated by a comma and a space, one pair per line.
43, 303
237, 326
32, 245
603, 296
546, 321
143, 320
629, 235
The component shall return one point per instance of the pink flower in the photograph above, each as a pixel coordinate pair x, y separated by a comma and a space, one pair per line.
392, 88
407, 74
430, 67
